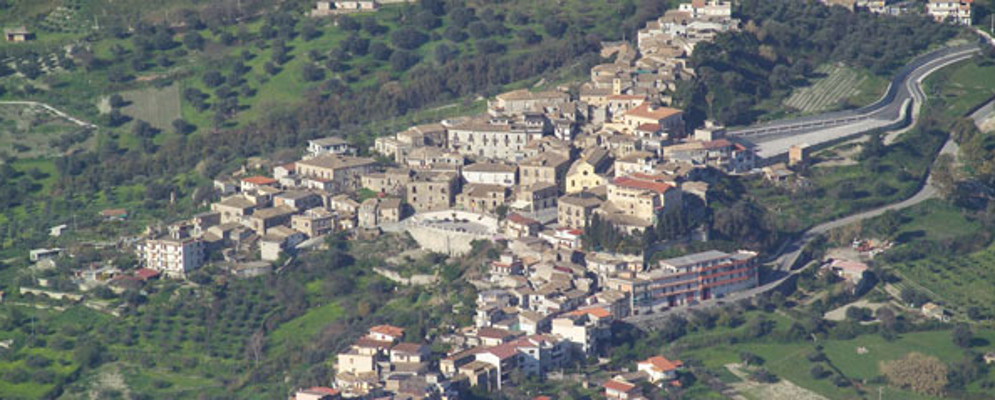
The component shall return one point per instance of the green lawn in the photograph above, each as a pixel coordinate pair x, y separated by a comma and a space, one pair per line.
959, 281
788, 360
965, 86
302, 329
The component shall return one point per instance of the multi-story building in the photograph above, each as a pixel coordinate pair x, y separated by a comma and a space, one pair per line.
707, 8
329, 145
483, 198
642, 197
585, 328
670, 120
721, 154
575, 210
432, 191
392, 181
546, 167
376, 211
173, 255
497, 137
684, 280
536, 197
522, 100
234, 208
263, 219
957, 11
314, 222
334, 171
298, 199
590, 171
401, 144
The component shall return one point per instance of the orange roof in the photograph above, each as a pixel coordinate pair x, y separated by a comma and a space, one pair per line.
114, 212
662, 364
289, 166
648, 127
632, 183
655, 113
599, 312
388, 330
619, 386
542, 398
259, 180
521, 220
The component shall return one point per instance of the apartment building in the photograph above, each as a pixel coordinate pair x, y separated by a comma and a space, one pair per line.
490, 173
523, 100
683, 280
956, 11
499, 138
575, 210
546, 167
432, 191
173, 255
335, 172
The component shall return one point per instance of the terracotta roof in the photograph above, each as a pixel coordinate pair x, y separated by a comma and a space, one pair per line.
411, 348
259, 180
521, 220
493, 333
289, 166
599, 312
631, 183
146, 273
388, 330
648, 127
645, 110
503, 351
618, 386
662, 364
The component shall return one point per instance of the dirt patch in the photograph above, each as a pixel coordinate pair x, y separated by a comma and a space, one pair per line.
782, 390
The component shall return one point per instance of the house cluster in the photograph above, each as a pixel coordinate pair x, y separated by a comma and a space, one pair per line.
656, 370
324, 8
956, 11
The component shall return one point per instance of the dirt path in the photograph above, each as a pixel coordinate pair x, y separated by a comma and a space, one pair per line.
53, 110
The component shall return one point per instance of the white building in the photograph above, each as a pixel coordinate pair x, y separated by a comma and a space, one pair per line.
957, 11
173, 255
332, 144
491, 174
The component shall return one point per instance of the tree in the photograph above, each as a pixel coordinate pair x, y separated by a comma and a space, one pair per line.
913, 297
401, 60
817, 372
555, 27
213, 79
193, 41
762, 375
312, 73
116, 101
749, 359
408, 38
917, 372
380, 51
183, 127
962, 335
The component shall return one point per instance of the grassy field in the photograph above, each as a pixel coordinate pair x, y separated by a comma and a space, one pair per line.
158, 107
965, 87
302, 329
959, 282
840, 86
31, 132
788, 360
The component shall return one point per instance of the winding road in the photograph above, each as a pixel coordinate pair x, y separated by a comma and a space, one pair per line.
784, 263
891, 111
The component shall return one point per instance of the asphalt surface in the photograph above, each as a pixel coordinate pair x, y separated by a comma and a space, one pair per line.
783, 264
774, 138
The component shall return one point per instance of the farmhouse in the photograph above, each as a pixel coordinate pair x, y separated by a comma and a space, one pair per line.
18, 35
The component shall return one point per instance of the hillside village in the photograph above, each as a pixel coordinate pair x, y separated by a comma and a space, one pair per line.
539, 171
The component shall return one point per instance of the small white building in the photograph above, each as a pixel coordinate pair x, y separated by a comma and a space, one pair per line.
491, 174
330, 145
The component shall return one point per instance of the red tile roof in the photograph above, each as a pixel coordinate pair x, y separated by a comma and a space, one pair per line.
662, 364
619, 386
259, 180
521, 220
628, 182
493, 333
656, 113
503, 351
365, 342
599, 312
410, 348
146, 274
648, 127
388, 330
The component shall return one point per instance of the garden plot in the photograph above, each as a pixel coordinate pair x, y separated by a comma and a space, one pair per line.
158, 107
840, 83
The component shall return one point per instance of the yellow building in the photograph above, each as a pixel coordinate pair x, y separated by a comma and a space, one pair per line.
589, 171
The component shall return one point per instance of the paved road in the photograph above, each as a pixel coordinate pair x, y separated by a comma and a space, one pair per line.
53, 110
788, 255
774, 138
